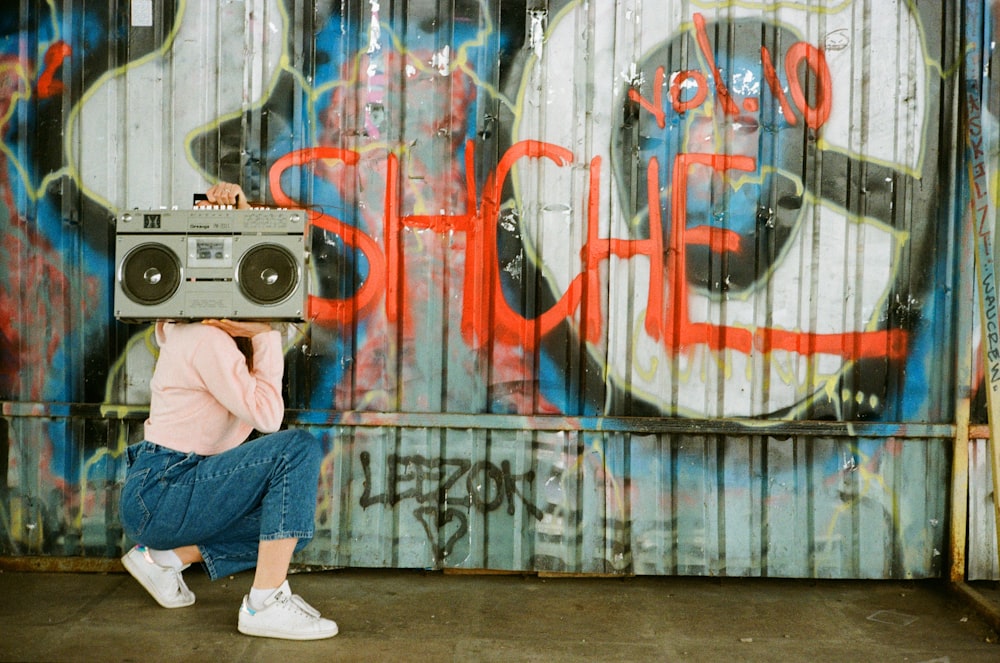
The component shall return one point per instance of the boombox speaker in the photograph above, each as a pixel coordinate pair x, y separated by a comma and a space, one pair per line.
210, 263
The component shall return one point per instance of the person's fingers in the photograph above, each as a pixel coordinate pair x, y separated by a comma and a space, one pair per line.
239, 327
225, 193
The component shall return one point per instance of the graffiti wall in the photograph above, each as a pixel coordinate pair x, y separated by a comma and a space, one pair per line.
654, 288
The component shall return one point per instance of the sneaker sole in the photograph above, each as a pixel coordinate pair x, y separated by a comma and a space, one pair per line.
282, 635
135, 572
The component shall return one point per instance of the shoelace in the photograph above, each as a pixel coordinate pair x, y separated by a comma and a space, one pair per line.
182, 589
297, 602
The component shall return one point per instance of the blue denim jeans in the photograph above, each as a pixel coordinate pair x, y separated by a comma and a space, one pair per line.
264, 489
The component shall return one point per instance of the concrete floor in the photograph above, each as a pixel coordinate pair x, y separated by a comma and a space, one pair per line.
394, 615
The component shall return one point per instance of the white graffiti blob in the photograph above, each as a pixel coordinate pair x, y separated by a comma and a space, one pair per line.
834, 272
128, 138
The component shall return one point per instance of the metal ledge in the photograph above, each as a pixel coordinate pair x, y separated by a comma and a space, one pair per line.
511, 422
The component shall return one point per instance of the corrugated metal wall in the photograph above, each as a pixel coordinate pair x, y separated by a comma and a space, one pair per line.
655, 288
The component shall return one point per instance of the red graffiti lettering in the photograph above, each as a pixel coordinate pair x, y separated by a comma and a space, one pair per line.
673, 324
679, 105
656, 106
699, 97
816, 115
57, 53
326, 309
771, 76
507, 325
488, 317
721, 91
800, 56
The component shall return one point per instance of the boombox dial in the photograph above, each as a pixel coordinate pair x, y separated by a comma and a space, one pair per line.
210, 263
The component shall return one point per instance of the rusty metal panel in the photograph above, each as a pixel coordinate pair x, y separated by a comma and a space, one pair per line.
630, 287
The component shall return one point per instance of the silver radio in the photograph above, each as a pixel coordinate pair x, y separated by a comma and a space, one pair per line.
210, 263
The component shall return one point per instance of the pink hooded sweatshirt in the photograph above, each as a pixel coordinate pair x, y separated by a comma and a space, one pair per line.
204, 398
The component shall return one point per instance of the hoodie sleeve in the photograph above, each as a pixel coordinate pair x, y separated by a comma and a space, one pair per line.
252, 396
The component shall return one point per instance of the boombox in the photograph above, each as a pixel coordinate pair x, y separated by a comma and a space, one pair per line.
210, 263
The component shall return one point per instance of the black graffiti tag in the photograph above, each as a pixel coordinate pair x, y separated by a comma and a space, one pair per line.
436, 486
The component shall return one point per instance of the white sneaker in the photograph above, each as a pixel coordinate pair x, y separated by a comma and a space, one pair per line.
164, 583
285, 615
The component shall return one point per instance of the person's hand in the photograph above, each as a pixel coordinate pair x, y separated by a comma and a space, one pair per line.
226, 193
240, 328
